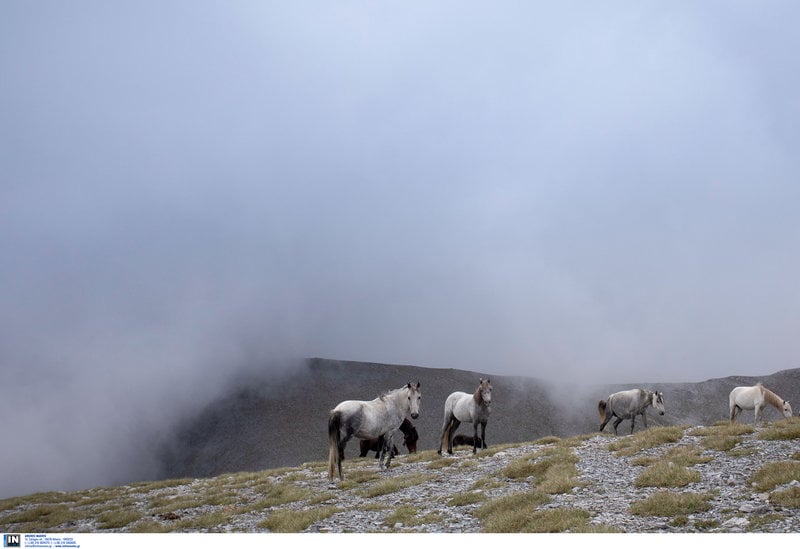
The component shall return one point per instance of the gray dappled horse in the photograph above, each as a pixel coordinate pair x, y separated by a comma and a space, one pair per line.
469, 408
629, 404
367, 419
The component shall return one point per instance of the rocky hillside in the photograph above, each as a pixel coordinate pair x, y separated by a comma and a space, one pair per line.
721, 478
280, 419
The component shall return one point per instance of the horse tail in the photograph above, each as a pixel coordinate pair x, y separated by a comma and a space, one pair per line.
601, 409
334, 439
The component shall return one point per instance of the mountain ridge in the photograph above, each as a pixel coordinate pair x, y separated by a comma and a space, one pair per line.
270, 419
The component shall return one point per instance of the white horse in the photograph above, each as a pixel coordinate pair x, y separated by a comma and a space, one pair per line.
474, 408
370, 419
756, 398
629, 404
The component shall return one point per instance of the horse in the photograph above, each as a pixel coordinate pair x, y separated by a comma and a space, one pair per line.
410, 436
375, 445
367, 419
756, 398
466, 440
474, 408
410, 441
629, 404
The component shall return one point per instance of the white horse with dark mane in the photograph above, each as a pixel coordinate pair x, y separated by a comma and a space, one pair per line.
756, 398
629, 404
368, 419
469, 408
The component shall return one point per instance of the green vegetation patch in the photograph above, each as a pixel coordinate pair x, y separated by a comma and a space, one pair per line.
670, 504
774, 474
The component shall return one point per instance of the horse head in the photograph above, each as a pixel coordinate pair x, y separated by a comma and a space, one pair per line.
787, 409
414, 397
484, 391
658, 402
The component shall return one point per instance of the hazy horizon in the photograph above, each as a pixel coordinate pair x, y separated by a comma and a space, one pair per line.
190, 190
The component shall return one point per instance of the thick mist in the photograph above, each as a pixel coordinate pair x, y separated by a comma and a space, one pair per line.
603, 194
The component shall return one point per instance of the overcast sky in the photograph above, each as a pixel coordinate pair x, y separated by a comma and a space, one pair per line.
597, 191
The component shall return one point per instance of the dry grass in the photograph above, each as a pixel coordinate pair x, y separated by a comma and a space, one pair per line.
649, 438
783, 429
466, 498
722, 436
666, 474
290, 520
510, 513
775, 474
392, 485
669, 504
786, 498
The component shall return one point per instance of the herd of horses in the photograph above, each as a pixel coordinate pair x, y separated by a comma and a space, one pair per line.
374, 422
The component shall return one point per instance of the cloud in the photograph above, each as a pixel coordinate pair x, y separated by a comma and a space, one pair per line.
603, 194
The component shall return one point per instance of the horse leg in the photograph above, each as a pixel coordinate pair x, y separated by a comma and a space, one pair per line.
483, 435
644, 419
616, 424
474, 437
633, 422
453, 426
445, 426
386, 451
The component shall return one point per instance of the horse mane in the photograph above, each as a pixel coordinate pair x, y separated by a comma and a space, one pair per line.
772, 398
477, 395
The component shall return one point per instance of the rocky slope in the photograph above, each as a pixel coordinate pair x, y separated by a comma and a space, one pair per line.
428, 493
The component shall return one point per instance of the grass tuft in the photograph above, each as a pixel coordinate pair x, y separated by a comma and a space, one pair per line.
649, 438
292, 521
666, 474
670, 504
783, 429
774, 474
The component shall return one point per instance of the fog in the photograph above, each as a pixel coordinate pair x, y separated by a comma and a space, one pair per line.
598, 193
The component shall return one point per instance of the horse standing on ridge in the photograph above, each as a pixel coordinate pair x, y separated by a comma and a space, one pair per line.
756, 398
629, 404
466, 440
367, 419
474, 408
410, 438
